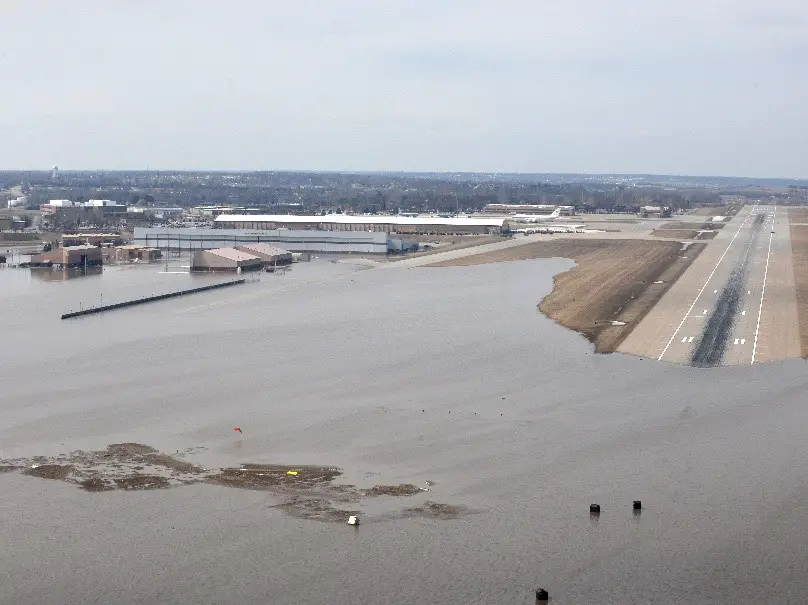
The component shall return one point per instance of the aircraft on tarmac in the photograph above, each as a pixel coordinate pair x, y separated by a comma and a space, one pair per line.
536, 218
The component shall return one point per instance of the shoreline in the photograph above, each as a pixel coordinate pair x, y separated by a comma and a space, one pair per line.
614, 284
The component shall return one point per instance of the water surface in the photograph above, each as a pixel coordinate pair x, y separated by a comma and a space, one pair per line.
446, 375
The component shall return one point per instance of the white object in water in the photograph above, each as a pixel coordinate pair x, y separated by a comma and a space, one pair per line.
353, 520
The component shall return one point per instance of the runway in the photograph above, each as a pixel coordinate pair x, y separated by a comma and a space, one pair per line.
735, 305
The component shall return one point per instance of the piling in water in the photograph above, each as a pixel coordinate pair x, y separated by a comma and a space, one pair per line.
542, 595
638, 505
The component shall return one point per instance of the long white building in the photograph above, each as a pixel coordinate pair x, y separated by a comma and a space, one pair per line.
429, 225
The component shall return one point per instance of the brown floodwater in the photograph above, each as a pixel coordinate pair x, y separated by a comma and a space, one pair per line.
395, 376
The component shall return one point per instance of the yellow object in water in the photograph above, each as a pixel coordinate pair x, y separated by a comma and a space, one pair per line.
291, 472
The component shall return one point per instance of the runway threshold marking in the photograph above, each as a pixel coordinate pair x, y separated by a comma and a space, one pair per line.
701, 291
762, 293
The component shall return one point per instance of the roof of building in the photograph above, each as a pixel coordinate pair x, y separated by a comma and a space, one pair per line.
232, 254
259, 248
81, 247
348, 219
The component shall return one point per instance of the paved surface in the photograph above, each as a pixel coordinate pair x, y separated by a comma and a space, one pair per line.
735, 305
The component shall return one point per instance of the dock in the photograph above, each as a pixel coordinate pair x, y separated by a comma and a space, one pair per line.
148, 299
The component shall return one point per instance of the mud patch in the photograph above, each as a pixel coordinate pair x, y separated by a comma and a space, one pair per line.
119, 466
265, 476
436, 510
304, 492
316, 509
405, 489
142, 482
96, 484
49, 471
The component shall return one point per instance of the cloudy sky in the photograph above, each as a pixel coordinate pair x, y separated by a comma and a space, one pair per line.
703, 87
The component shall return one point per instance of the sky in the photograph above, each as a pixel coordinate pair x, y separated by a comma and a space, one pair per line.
696, 87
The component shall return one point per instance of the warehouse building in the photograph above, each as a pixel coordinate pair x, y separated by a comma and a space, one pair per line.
423, 225
270, 255
225, 260
538, 209
130, 253
654, 212
69, 257
336, 242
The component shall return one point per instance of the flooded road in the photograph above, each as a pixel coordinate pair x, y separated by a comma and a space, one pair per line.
440, 375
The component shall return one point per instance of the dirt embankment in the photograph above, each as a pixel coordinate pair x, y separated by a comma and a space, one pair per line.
615, 284
799, 253
447, 243
675, 225
730, 210
678, 233
689, 234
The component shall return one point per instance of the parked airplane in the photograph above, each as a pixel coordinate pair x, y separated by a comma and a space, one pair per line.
536, 218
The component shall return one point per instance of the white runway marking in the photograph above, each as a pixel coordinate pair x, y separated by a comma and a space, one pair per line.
736, 341
709, 277
684, 339
743, 341
762, 292
690, 339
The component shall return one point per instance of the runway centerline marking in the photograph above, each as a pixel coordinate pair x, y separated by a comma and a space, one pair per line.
762, 292
709, 277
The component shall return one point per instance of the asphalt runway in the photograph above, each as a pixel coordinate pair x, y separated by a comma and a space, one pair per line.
735, 305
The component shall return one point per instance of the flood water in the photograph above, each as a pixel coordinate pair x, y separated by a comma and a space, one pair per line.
447, 375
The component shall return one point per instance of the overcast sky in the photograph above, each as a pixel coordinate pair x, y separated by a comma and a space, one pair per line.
703, 87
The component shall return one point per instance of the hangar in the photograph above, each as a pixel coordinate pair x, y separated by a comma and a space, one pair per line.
426, 225
225, 260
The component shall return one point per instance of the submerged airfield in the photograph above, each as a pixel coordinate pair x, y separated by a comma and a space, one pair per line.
468, 431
